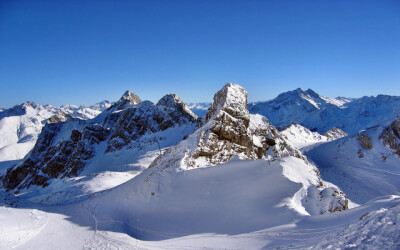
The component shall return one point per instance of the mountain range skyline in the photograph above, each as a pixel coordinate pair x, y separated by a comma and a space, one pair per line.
189, 102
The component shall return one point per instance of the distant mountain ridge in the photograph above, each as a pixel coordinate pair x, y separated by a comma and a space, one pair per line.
199, 108
319, 113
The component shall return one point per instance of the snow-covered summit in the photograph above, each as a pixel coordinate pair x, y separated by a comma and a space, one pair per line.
101, 106
302, 138
173, 101
128, 98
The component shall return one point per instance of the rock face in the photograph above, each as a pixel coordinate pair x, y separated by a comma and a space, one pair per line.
65, 145
391, 137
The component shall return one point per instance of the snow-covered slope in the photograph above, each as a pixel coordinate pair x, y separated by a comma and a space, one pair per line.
361, 165
375, 230
319, 113
21, 125
304, 139
79, 227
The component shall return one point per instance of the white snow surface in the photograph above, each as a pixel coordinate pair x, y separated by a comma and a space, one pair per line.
361, 179
303, 139
97, 224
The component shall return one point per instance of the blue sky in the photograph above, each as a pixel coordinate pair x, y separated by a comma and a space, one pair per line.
82, 52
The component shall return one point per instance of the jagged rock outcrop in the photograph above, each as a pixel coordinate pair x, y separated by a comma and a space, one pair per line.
365, 141
335, 133
65, 145
391, 137
229, 130
60, 116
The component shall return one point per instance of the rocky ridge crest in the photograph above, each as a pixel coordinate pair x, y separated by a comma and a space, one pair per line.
65, 145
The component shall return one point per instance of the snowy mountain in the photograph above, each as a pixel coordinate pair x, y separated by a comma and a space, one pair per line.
125, 131
365, 166
21, 125
303, 139
319, 113
199, 108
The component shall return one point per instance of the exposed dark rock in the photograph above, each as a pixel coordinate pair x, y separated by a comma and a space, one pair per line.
76, 135
391, 137
360, 153
365, 141
52, 160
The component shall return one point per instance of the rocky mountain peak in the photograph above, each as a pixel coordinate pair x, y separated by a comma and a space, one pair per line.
169, 100
131, 97
229, 131
231, 99
128, 98
172, 102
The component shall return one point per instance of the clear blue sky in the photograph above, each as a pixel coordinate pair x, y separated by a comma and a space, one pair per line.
81, 52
